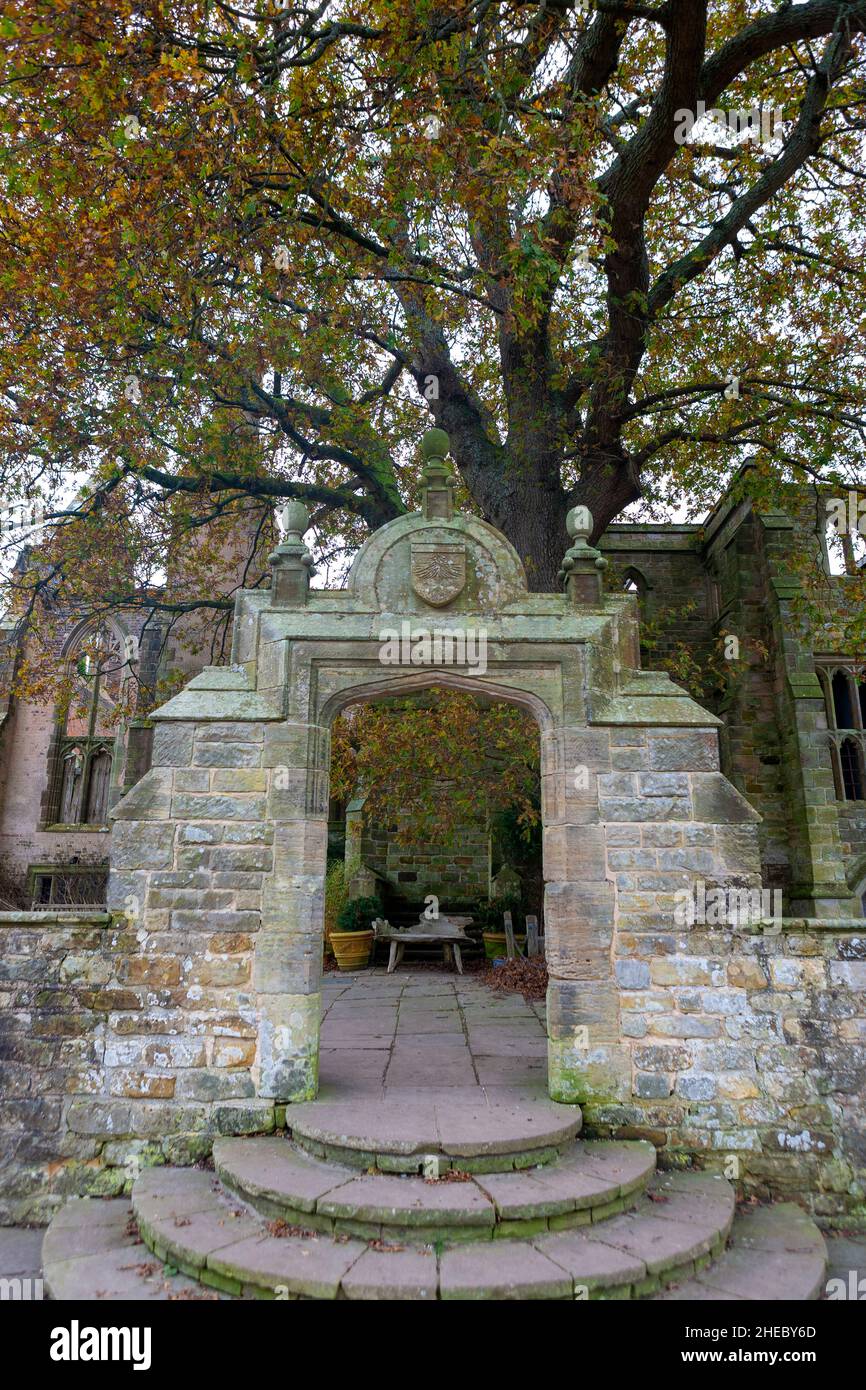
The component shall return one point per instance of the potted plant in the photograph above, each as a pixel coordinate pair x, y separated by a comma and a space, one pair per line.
491, 918
336, 897
353, 939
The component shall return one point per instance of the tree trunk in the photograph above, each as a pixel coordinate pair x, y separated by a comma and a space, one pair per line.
531, 506
533, 519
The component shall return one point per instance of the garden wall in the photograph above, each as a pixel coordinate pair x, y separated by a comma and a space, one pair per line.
749, 1057
747, 1052
117, 1050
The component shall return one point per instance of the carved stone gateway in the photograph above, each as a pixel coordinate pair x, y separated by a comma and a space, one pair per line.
194, 1010
239, 784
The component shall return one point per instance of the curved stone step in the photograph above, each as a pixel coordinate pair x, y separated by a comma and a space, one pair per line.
589, 1183
186, 1219
395, 1135
678, 1228
775, 1252
93, 1252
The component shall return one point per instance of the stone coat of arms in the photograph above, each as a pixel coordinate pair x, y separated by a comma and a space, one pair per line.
438, 571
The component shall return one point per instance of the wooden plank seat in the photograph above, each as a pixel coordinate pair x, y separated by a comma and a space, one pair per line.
450, 931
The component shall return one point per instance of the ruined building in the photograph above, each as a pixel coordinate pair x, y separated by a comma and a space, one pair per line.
190, 1008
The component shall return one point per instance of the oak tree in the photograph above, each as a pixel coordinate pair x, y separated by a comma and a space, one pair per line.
251, 250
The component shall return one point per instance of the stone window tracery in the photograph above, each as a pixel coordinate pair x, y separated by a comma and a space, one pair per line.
844, 687
88, 723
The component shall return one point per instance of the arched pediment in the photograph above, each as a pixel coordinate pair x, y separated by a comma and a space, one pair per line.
373, 686
418, 565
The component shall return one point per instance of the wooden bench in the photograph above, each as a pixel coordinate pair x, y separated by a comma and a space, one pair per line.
447, 931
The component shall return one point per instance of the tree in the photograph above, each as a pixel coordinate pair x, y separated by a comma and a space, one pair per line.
251, 250
431, 764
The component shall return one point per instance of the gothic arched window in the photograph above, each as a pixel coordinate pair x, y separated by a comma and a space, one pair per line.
89, 714
853, 778
844, 689
634, 582
843, 700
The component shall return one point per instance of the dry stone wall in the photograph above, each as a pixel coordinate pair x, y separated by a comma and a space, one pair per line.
748, 1056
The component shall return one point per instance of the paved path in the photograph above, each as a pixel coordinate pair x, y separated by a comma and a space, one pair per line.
20, 1252
423, 1031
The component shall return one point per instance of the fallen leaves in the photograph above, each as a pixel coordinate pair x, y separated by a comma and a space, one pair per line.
521, 976
281, 1229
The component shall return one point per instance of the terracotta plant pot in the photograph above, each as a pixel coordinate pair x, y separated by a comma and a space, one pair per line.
494, 944
352, 948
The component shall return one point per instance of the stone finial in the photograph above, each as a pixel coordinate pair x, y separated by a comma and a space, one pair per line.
291, 562
583, 566
295, 520
437, 482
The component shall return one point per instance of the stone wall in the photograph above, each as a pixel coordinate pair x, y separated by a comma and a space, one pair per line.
678, 600
53, 970
143, 1024
739, 575
456, 871
749, 1057
116, 1051
747, 1054
852, 828
738, 1049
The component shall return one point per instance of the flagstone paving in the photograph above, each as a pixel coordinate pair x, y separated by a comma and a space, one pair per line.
419, 1030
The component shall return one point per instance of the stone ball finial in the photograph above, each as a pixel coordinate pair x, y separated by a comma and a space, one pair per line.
434, 445
295, 518
579, 523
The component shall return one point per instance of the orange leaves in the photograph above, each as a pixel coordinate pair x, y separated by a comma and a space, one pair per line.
437, 761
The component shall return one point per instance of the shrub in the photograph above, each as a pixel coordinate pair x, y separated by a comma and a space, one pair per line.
359, 914
335, 894
489, 916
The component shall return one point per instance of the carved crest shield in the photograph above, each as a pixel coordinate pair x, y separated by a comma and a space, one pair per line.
438, 571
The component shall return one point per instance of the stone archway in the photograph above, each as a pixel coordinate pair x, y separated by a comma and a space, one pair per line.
407, 684
228, 830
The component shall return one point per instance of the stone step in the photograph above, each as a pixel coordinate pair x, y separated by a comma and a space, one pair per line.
680, 1225
591, 1182
675, 1231
670, 1248
774, 1253
466, 1131
92, 1251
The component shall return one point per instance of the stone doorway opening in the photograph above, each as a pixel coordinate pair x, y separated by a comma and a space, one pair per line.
435, 814
423, 1037
435, 809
